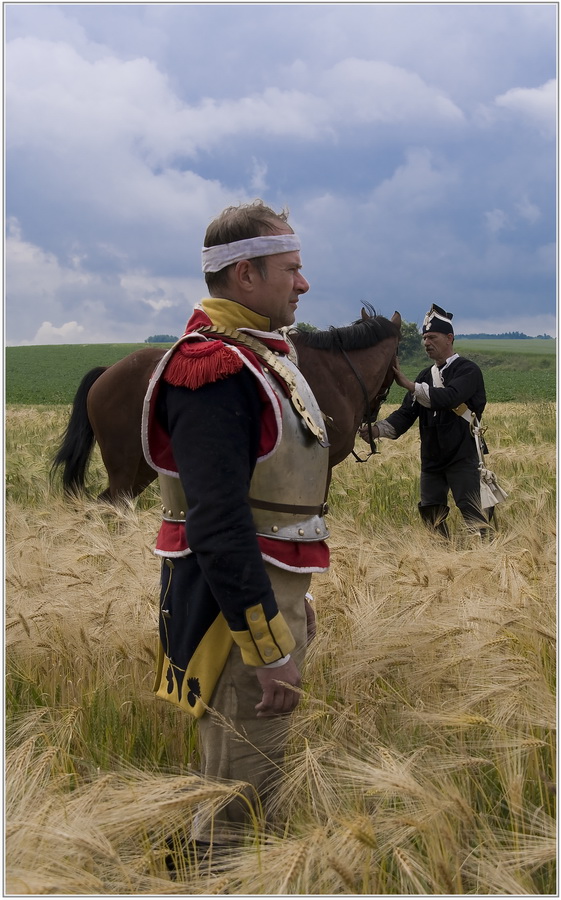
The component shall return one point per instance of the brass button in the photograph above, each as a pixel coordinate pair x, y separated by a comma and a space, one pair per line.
275, 528
254, 616
300, 531
259, 635
267, 651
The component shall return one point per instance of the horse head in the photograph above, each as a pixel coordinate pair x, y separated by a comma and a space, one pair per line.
390, 375
350, 370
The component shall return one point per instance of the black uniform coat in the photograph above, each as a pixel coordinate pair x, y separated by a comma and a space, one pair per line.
445, 436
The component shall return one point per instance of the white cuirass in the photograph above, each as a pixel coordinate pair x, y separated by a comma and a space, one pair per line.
288, 488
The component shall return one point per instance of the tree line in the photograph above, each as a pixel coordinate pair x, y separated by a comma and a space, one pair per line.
505, 335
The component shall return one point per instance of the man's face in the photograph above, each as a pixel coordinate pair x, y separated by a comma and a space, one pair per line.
438, 346
279, 292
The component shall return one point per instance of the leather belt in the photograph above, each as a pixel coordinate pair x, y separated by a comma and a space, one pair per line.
290, 508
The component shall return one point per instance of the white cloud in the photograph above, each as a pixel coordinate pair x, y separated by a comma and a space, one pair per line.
528, 210
63, 103
496, 220
38, 284
69, 333
66, 100
158, 292
364, 90
36, 272
524, 212
258, 180
158, 304
66, 104
359, 118
51, 22
535, 106
419, 184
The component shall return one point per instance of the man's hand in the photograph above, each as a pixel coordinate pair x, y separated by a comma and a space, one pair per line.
401, 379
363, 432
278, 699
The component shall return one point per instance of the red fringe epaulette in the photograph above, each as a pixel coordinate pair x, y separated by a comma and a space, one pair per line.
200, 362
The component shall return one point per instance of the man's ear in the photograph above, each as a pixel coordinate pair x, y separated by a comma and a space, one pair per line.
244, 275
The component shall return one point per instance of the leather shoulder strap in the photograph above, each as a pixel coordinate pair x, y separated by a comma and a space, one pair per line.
275, 364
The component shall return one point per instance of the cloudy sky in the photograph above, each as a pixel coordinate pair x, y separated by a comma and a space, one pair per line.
414, 145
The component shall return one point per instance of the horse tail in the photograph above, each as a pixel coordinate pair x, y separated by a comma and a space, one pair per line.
78, 439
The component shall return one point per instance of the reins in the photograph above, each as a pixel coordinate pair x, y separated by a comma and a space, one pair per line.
373, 448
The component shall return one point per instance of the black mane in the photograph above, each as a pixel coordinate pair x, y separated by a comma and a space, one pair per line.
361, 334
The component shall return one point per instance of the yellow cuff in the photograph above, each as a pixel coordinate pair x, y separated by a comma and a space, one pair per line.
264, 641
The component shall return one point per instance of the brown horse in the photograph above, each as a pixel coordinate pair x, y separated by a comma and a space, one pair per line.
349, 370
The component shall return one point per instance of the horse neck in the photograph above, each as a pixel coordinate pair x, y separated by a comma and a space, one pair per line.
365, 370
336, 386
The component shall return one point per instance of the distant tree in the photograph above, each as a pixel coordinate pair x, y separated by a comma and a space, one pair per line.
303, 326
504, 336
161, 339
410, 346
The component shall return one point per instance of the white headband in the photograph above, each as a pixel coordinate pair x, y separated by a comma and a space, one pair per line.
217, 258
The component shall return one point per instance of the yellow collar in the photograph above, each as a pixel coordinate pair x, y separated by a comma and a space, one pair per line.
233, 315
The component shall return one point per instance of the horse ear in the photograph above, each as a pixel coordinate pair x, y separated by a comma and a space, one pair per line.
364, 315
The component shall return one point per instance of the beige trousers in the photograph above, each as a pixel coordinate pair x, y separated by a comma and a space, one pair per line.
234, 743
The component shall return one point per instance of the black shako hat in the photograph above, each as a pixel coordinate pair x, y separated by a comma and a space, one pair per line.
438, 320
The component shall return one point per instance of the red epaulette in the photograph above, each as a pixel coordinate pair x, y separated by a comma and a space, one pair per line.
201, 362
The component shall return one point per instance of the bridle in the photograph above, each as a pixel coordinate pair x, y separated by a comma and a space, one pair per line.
379, 399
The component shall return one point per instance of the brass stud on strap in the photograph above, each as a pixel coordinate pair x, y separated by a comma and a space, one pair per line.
275, 528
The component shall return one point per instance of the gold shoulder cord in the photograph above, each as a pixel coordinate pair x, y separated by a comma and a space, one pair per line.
274, 363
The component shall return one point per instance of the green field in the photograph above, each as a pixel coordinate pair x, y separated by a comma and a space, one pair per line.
514, 370
532, 346
47, 375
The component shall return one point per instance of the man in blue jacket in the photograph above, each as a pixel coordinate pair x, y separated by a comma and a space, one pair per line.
442, 398
243, 478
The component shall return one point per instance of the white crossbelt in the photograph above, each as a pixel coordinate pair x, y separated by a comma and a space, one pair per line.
491, 492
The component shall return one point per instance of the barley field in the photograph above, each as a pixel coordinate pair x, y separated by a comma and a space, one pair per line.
422, 754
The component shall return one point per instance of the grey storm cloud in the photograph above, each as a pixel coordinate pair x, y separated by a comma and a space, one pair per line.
413, 144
